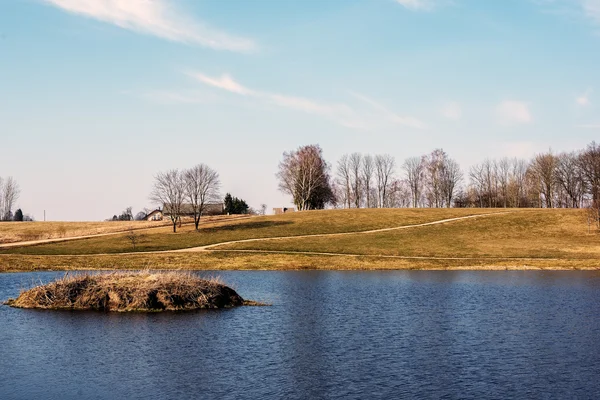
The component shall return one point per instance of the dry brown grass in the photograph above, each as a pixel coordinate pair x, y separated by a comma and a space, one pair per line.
129, 291
28, 231
294, 224
521, 239
278, 261
524, 234
14, 232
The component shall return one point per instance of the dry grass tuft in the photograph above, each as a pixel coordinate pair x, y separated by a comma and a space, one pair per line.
130, 291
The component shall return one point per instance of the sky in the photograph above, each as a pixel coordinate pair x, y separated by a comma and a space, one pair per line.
97, 96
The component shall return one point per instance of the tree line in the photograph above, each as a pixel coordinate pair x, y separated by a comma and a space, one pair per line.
548, 180
9, 194
435, 180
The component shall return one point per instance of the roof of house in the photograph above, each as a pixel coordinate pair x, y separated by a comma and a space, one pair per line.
187, 209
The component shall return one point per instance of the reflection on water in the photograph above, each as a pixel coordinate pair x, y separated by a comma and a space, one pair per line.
327, 335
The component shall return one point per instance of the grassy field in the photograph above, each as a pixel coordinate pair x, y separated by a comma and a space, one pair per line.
305, 223
519, 239
15, 232
26, 231
522, 234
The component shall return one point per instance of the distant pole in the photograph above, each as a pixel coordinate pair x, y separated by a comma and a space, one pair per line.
44, 215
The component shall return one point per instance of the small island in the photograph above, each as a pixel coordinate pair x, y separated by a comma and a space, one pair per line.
130, 291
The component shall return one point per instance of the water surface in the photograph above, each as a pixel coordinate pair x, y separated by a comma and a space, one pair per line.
328, 335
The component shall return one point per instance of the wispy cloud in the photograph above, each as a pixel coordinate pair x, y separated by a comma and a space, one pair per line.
224, 82
584, 99
158, 18
452, 111
513, 112
390, 115
374, 117
176, 97
588, 126
589, 9
424, 5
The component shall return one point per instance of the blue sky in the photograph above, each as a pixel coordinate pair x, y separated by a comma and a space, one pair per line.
96, 96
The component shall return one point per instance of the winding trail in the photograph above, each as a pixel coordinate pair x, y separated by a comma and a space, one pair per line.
120, 232
65, 239
317, 253
211, 247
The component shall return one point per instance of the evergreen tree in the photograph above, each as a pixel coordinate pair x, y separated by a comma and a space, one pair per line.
233, 205
18, 216
228, 202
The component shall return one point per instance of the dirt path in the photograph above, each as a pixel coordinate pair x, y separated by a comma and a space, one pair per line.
317, 253
396, 228
95, 235
211, 247
63, 239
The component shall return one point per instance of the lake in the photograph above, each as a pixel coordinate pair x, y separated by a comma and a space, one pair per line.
398, 334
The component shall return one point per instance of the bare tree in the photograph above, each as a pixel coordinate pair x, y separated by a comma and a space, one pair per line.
503, 176
368, 167
451, 176
339, 195
9, 193
129, 213
434, 168
490, 178
484, 177
476, 174
500, 183
414, 176
202, 186
133, 237
589, 162
543, 168
384, 171
343, 179
355, 173
169, 191
399, 194
570, 179
304, 174
2, 206
593, 218
519, 180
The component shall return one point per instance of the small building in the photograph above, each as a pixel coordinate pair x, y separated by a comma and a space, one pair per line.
188, 211
156, 215
284, 210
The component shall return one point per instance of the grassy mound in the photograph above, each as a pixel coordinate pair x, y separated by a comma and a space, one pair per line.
130, 291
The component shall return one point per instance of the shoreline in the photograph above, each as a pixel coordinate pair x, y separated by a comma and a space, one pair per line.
282, 262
